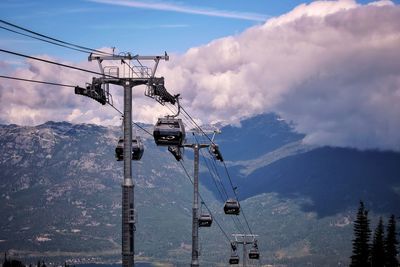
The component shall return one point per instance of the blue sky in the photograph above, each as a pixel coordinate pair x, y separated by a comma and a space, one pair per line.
140, 30
157, 26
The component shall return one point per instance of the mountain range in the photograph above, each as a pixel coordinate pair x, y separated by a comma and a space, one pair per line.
60, 190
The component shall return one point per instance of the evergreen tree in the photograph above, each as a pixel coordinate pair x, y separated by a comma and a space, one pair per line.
17, 263
360, 257
391, 244
6, 262
378, 248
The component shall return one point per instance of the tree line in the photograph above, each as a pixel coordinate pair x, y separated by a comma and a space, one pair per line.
17, 263
383, 250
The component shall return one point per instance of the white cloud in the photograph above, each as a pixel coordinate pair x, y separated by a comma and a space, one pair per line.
331, 67
27, 103
314, 9
34, 103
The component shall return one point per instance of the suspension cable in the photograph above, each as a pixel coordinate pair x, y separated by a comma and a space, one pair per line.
228, 175
224, 164
136, 124
191, 118
36, 81
60, 43
214, 179
54, 39
80, 48
44, 40
54, 63
204, 158
237, 222
219, 226
71, 86
234, 191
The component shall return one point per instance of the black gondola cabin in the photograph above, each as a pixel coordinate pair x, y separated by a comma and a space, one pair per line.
232, 207
169, 131
234, 259
137, 149
254, 254
205, 220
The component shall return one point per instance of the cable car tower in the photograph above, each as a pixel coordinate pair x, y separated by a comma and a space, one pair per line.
243, 239
195, 217
170, 132
131, 75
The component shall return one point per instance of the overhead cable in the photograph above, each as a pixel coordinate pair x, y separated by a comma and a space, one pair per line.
234, 190
54, 39
237, 222
136, 124
44, 40
212, 174
54, 63
36, 81
223, 198
71, 86
226, 169
191, 118
219, 226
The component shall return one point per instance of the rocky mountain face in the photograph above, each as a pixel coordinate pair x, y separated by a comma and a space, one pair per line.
271, 158
61, 196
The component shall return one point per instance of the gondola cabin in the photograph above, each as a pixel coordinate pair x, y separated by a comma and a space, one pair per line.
137, 149
232, 207
234, 259
205, 220
119, 150
169, 131
254, 254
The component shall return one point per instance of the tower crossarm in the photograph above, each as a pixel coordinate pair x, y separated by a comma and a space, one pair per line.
128, 57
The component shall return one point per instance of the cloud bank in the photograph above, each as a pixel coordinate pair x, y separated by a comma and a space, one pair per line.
26, 103
330, 67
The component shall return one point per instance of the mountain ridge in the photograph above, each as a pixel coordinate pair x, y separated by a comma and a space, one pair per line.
60, 166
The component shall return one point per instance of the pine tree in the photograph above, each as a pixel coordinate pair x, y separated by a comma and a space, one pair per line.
360, 257
391, 244
6, 262
378, 248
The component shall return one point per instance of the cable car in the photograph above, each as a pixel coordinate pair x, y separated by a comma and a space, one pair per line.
137, 149
232, 207
205, 220
169, 131
234, 259
176, 152
214, 149
119, 150
254, 254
